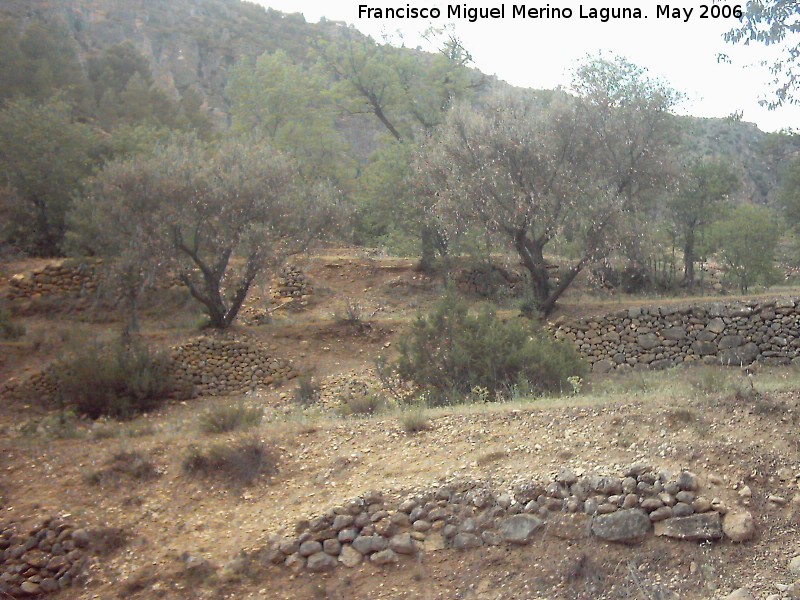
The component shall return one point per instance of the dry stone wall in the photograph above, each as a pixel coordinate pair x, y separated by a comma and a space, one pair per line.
67, 277
470, 514
658, 338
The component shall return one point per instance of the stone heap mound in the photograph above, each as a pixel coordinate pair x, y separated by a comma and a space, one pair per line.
291, 282
219, 365
488, 280
469, 514
66, 277
46, 558
658, 338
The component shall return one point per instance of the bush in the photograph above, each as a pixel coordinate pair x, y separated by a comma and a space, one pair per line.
358, 405
116, 380
415, 421
451, 352
307, 391
132, 465
238, 464
8, 329
225, 418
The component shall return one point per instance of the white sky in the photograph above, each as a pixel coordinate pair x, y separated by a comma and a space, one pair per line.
539, 53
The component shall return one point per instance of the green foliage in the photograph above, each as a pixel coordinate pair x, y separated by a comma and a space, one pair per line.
746, 240
230, 417
44, 156
238, 463
116, 380
8, 329
789, 193
451, 352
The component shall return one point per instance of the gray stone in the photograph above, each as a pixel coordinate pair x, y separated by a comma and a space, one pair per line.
464, 541
603, 366
727, 342
647, 341
403, 544
320, 562
674, 333
739, 356
681, 509
704, 348
715, 326
698, 528
794, 566
519, 529
688, 481
740, 594
367, 544
309, 548
660, 514
384, 557
342, 521
739, 525
349, 557
332, 547
706, 336
347, 535
625, 526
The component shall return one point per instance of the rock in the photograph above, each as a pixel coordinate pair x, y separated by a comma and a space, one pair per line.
674, 333
739, 525
310, 547
727, 342
519, 529
704, 348
647, 341
369, 544
320, 562
626, 526
603, 366
688, 481
701, 504
403, 544
81, 538
30, 588
384, 557
740, 594
349, 557
569, 526
715, 326
332, 547
660, 514
464, 541
739, 356
794, 566
695, 528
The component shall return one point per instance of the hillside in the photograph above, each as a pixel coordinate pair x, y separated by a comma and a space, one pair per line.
192, 45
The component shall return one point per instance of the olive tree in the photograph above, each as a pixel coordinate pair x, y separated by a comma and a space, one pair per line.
554, 167
216, 218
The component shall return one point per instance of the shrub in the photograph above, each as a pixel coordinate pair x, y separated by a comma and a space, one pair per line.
358, 405
238, 464
451, 352
415, 421
8, 329
117, 380
132, 465
225, 418
307, 391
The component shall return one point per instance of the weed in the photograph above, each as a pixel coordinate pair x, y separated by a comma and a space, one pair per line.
63, 425
8, 329
307, 391
238, 464
230, 417
131, 465
351, 315
708, 380
415, 421
358, 405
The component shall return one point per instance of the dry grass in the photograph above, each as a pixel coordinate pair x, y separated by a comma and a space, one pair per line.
239, 463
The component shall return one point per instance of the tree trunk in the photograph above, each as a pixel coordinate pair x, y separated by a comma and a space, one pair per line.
531, 254
428, 249
688, 260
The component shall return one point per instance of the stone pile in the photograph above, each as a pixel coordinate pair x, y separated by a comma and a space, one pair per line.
469, 514
291, 282
63, 278
486, 281
217, 365
336, 389
658, 338
47, 558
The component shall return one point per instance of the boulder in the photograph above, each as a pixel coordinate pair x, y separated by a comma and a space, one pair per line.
739, 525
320, 562
519, 529
696, 528
626, 526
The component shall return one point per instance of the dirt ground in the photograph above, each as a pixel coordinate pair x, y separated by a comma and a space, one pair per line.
149, 527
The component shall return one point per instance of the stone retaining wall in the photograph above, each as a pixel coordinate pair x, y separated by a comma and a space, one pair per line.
67, 277
470, 514
659, 338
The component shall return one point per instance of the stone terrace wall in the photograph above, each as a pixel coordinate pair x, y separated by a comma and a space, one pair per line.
658, 338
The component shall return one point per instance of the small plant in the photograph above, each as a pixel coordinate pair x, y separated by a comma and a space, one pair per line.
63, 425
238, 464
352, 315
307, 391
576, 383
358, 405
708, 380
118, 380
230, 417
131, 465
415, 420
8, 329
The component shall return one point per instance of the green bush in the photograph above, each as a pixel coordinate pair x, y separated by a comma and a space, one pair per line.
8, 329
116, 380
451, 352
230, 417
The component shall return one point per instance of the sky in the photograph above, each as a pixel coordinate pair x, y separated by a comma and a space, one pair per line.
540, 53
